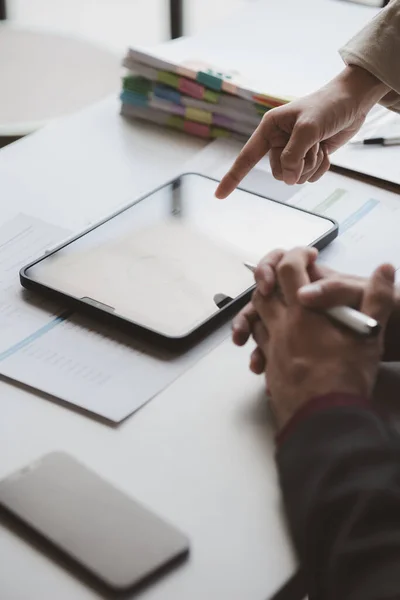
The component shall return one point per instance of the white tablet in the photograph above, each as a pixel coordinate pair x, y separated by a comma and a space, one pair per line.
170, 265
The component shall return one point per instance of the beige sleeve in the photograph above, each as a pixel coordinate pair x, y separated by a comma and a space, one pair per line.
376, 48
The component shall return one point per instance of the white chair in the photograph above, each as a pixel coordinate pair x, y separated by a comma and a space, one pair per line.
44, 76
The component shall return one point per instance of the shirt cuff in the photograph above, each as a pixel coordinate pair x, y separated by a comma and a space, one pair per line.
333, 400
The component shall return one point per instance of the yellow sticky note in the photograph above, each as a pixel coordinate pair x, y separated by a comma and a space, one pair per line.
198, 115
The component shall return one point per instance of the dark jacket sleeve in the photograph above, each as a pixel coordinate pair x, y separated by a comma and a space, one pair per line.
340, 476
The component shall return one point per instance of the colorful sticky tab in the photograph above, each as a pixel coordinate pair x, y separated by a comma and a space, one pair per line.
166, 93
168, 78
176, 122
222, 121
211, 96
217, 132
166, 106
191, 88
137, 84
269, 101
210, 80
261, 110
198, 115
230, 87
133, 98
197, 129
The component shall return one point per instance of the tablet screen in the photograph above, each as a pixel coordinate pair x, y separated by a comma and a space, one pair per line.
163, 261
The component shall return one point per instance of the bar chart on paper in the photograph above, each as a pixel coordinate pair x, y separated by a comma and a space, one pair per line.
96, 368
72, 358
368, 226
368, 217
337, 206
22, 239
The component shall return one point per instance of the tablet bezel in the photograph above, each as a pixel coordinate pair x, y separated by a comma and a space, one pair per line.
99, 311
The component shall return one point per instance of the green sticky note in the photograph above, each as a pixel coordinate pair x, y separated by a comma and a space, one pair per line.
168, 79
211, 96
217, 132
261, 109
135, 83
210, 80
175, 122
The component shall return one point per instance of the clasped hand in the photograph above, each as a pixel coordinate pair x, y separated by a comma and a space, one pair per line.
302, 353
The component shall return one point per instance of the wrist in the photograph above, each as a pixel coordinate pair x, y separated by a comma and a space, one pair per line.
318, 404
333, 378
362, 88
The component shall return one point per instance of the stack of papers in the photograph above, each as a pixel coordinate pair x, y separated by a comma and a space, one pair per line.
380, 122
377, 161
192, 97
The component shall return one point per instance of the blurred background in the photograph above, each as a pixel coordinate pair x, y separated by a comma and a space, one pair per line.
117, 23
59, 56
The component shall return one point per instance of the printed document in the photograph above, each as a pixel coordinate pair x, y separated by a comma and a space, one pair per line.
68, 356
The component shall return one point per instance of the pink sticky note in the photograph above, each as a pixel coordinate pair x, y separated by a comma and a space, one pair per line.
191, 88
197, 129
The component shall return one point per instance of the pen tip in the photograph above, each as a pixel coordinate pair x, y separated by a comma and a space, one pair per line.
250, 266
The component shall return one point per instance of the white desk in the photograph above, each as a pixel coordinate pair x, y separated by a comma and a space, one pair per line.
201, 453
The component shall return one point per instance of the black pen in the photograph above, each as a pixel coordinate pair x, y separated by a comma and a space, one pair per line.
351, 318
378, 141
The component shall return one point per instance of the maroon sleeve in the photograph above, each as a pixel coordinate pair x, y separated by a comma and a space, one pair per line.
339, 473
319, 403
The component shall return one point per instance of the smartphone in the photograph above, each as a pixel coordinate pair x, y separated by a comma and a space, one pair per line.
114, 538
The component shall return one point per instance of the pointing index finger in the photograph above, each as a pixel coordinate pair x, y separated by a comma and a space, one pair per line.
254, 150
